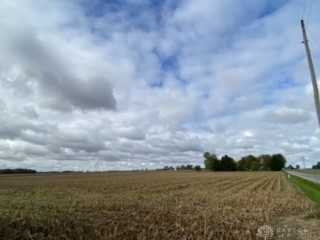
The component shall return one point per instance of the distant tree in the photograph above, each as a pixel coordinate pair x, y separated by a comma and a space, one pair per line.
168, 168
227, 164
249, 160
216, 164
297, 166
290, 167
278, 162
317, 166
17, 171
255, 165
265, 160
252, 163
211, 162
185, 167
207, 155
189, 167
208, 161
241, 164
197, 168
6, 171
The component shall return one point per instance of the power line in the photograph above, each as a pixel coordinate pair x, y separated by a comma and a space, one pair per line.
316, 41
313, 36
315, 56
312, 72
310, 8
304, 8
309, 30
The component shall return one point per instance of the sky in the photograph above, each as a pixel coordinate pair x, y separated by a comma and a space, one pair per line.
95, 85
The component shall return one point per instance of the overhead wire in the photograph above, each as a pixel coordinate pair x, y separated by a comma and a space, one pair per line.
310, 9
313, 36
316, 40
315, 56
304, 9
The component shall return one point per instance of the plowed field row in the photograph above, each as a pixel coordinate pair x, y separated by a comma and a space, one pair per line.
145, 205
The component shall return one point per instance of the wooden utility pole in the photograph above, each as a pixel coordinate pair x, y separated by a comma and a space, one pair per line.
312, 72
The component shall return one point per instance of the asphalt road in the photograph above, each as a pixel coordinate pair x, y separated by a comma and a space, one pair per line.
309, 177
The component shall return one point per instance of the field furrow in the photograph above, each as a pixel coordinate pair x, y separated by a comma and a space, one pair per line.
147, 205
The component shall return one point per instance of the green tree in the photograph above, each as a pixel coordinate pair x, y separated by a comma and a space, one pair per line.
17, 171
197, 168
250, 162
185, 167
277, 162
290, 167
211, 162
216, 164
265, 159
255, 165
241, 164
227, 164
316, 166
208, 161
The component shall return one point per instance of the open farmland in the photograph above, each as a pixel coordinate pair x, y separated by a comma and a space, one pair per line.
147, 205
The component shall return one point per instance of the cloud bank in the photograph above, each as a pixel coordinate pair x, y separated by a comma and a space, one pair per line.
95, 85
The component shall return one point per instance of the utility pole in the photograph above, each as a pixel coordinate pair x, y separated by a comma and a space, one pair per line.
312, 72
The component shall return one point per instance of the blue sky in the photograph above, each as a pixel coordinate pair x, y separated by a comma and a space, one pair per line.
106, 85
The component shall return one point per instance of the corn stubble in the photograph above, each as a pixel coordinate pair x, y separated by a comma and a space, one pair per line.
145, 205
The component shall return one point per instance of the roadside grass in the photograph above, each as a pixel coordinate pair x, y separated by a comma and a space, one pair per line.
311, 171
311, 190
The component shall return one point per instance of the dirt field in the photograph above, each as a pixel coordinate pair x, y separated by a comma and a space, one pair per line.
154, 205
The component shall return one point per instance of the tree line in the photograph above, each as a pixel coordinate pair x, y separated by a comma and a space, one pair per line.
183, 167
17, 171
317, 166
265, 162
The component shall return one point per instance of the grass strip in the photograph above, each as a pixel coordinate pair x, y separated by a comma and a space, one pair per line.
311, 171
310, 189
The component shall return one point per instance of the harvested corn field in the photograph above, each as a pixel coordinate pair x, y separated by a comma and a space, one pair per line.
147, 205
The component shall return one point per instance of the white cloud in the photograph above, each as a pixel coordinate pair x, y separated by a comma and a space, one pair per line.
289, 115
180, 78
130, 133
